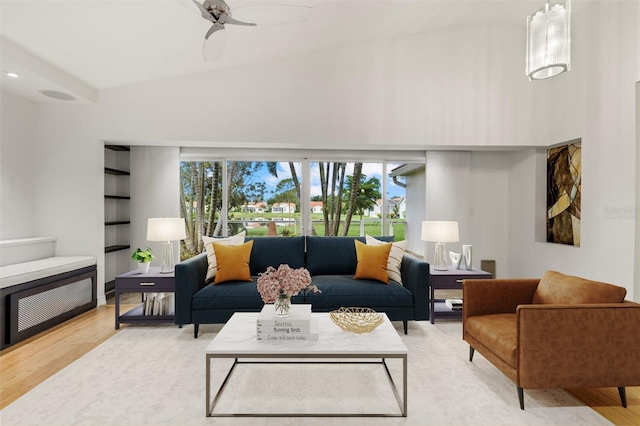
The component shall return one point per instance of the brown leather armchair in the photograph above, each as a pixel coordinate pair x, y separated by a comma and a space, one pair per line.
559, 331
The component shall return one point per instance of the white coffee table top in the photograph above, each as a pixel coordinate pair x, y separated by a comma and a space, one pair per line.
238, 337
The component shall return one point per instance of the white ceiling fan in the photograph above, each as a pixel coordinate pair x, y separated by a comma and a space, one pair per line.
219, 14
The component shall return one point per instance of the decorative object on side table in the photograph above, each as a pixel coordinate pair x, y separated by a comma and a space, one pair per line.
278, 285
468, 259
356, 320
456, 258
166, 229
144, 258
440, 232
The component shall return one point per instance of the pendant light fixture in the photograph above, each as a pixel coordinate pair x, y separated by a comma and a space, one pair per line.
549, 41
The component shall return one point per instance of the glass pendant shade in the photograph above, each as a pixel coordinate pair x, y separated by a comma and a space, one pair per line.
549, 41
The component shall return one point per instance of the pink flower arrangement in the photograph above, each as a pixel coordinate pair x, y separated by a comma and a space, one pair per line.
283, 281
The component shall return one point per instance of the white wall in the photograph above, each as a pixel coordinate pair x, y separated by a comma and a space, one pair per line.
471, 188
637, 210
595, 101
415, 192
155, 192
18, 168
69, 173
462, 86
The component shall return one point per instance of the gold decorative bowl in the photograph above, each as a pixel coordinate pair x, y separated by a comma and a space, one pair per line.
356, 320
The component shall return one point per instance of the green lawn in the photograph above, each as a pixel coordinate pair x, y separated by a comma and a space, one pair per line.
372, 226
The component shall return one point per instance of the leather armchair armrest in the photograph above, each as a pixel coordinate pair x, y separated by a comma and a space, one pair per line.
578, 346
496, 296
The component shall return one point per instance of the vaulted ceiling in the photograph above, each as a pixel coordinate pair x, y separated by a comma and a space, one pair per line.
84, 46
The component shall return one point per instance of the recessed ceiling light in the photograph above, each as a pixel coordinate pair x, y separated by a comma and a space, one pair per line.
11, 74
57, 95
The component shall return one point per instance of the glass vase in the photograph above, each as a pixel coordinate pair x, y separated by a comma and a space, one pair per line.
282, 305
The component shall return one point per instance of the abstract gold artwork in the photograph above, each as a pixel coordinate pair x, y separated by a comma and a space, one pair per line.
564, 189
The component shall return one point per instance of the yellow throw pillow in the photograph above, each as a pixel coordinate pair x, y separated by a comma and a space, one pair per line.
233, 262
372, 261
236, 240
395, 257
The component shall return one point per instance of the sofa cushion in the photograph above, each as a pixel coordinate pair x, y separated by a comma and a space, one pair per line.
211, 255
343, 291
557, 288
372, 261
333, 255
232, 295
274, 251
228, 295
395, 257
232, 262
497, 333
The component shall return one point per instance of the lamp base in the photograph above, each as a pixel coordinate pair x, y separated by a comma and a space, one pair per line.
167, 258
440, 258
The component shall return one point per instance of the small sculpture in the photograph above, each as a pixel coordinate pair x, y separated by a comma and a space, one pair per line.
456, 258
466, 253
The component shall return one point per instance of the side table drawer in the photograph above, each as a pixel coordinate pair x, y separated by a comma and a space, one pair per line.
145, 283
454, 281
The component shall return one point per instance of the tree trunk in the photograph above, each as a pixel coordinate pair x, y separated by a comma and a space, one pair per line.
200, 189
355, 181
338, 207
296, 182
186, 214
215, 195
324, 186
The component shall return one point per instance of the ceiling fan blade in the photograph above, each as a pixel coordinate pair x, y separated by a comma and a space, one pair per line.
273, 14
213, 47
226, 19
204, 12
215, 27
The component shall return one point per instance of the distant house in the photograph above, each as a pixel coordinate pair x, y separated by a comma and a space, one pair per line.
398, 204
260, 207
283, 208
316, 206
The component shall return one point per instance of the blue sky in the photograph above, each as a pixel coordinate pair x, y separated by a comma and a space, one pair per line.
369, 169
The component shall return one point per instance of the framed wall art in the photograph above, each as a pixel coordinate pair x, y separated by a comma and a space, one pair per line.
564, 189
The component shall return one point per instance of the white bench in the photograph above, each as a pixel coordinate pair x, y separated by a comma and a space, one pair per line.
39, 289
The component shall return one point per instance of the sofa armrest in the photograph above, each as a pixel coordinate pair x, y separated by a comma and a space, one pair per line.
415, 278
578, 346
190, 276
496, 296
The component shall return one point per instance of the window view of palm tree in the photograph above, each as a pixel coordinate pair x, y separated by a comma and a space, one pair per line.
263, 199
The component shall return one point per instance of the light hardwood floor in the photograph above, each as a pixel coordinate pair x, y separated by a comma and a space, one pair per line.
29, 363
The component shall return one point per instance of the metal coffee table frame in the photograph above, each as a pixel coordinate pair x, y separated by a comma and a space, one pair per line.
298, 357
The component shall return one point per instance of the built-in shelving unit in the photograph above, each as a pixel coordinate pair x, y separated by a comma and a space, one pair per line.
116, 213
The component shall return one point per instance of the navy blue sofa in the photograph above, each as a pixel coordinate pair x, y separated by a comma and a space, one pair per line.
331, 261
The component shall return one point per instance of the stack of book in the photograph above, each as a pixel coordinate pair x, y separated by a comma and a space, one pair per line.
158, 304
298, 325
454, 304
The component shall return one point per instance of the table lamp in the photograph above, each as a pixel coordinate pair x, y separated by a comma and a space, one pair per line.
166, 229
440, 232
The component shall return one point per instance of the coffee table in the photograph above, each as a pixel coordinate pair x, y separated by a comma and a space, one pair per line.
237, 340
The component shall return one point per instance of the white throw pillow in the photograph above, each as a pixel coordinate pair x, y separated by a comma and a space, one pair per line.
236, 240
395, 257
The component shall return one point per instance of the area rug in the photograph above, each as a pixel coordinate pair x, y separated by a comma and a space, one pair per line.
156, 375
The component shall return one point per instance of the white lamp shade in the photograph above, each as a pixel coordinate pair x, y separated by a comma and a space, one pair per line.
166, 229
438, 231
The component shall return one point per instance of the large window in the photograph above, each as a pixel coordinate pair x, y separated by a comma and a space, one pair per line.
281, 198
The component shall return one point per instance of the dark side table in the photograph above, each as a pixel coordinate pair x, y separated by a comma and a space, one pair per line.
151, 282
450, 279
